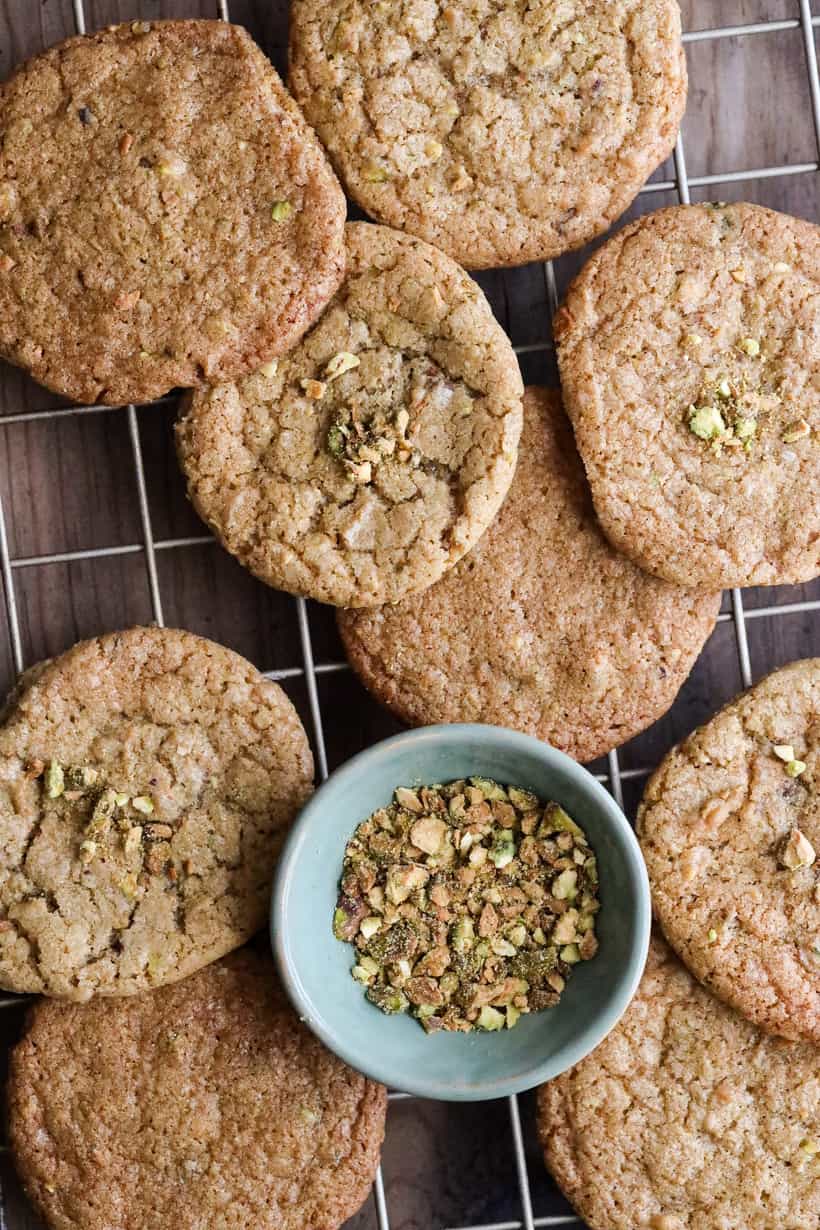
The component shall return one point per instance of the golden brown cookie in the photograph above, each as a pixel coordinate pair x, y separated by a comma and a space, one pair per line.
500, 131
543, 627
686, 1118
372, 457
166, 215
147, 779
200, 1105
730, 829
689, 349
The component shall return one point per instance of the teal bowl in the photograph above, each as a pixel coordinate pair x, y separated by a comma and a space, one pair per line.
315, 966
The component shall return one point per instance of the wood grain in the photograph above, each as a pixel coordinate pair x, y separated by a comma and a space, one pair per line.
68, 485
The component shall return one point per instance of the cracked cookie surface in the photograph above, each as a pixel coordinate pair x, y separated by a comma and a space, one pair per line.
371, 458
147, 779
686, 1118
166, 215
730, 830
690, 364
200, 1105
501, 131
543, 627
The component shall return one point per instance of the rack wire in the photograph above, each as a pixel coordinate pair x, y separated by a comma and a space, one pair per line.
310, 671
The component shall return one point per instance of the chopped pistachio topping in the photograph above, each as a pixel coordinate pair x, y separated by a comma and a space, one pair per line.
281, 211
142, 803
796, 768
798, 430
342, 362
810, 1145
467, 904
712, 936
782, 267
55, 779
269, 370
706, 422
784, 751
797, 851
750, 346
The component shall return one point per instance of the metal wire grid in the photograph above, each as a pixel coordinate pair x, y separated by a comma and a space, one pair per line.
311, 670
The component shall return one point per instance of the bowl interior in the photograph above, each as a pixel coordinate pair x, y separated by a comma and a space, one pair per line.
315, 966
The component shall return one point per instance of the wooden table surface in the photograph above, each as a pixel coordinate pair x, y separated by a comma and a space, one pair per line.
68, 484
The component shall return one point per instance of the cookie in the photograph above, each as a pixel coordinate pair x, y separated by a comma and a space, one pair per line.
201, 1105
689, 349
166, 215
686, 1118
730, 829
503, 133
147, 779
373, 456
543, 627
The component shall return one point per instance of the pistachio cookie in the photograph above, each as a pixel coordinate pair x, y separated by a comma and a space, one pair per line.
543, 626
146, 782
374, 455
689, 349
730, 829
166, 215
500, 131
686, 1118
201, 1105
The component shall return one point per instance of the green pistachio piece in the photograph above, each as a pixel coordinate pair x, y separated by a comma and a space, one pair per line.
706, 422
564, 886
490, 1019
54, 779
524, 800
502, 850
489, 788
570, 954
556, 820
388, 999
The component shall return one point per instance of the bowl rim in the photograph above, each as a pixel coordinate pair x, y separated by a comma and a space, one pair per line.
371, 1065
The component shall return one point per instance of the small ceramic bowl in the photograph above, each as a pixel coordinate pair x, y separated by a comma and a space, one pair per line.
315, 966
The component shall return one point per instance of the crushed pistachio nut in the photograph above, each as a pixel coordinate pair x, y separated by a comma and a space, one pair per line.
750, 346
739, 274
140, 27
281, 211
468, 904
796, 768
693, 339
706, 422
342, 362
784, 751
797, 851
798, 430
433, 149
55, 779
712, 936
142, 803
810, 1146
782, 267
133, 839
269, 370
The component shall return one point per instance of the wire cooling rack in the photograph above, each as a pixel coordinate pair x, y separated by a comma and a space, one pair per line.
310, 671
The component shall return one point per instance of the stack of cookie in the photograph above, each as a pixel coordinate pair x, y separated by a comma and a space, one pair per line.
356, 431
